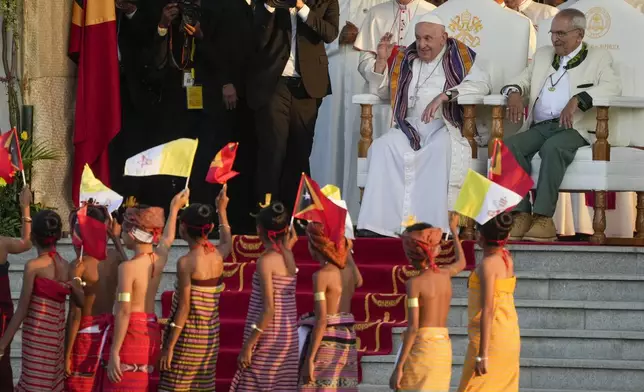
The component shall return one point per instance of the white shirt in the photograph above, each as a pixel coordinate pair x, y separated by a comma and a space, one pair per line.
429, 79
550, 103
303, 13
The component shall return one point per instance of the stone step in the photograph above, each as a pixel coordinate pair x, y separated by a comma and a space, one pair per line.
531, 285
560, 343
538, 373
536, 314
624, 260
383, 388
554, 314
568, 286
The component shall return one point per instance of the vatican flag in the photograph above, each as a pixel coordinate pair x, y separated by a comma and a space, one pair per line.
171, 159
92, 188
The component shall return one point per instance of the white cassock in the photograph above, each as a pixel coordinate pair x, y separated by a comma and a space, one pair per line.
335, 146
389, 17
403, 183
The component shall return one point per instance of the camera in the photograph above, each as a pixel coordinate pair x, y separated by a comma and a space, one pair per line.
281, 3
190, 11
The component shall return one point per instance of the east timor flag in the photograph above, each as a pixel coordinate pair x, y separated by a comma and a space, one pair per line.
93, 46
221, 168
312, 205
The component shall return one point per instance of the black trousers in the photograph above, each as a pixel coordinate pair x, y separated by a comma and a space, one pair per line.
285, 128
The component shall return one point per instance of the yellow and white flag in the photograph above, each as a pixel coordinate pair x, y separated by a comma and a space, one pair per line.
92, 188
171, 159
332, 192
482, 199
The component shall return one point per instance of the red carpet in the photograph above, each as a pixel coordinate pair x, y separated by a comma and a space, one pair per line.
378, 305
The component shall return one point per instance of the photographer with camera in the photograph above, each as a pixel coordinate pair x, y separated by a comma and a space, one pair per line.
288, 79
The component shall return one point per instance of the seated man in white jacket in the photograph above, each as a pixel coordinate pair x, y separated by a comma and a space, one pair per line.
411, 165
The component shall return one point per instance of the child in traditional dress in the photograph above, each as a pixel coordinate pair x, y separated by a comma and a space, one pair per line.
136, 338
189, 357
492, 359
11, 246
268, 360
425, 359
45, 287
330, 356
87, 326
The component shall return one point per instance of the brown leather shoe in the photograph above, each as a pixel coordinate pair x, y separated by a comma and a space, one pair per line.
542, 230
522, 223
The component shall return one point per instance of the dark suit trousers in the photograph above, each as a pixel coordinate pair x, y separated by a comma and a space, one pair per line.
285, 128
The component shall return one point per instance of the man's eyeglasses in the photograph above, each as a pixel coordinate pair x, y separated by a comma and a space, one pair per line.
562, 34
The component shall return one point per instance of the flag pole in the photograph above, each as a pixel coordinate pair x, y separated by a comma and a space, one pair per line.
24, 179
192, 164
299, 190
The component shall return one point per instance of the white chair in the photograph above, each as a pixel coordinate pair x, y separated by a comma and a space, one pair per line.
493, 33
615, 161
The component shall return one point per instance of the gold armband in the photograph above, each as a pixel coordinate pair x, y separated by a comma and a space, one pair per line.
123, 297
412, 302
319, 296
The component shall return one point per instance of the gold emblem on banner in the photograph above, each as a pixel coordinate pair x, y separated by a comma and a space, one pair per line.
598, 22
464, 28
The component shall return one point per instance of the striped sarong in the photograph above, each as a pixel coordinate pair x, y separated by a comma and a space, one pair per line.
336, 362
43, 339
429, 364
274, 362
194, 361
139, 355
86, 353
6, 312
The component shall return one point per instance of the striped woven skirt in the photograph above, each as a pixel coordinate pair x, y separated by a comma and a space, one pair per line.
139, 355
6, 312
86, 353
194, 361
43, 339
336, 362
274, 361
429, 364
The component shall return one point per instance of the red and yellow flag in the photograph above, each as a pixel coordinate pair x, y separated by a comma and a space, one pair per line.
90, 234
221, 168
10, 156
312, 205
93, 46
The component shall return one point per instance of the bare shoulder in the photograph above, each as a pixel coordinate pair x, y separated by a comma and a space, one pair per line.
184, 264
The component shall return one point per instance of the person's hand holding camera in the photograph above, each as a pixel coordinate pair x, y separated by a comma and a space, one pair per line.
194, 31
169, 13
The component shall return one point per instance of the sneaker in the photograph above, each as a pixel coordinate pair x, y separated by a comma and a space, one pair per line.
542, 230
522, 223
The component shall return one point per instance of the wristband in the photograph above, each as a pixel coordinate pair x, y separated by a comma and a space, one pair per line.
412, 302
162, 31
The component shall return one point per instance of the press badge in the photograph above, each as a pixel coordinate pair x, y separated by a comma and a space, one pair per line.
194, 97
188, 78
